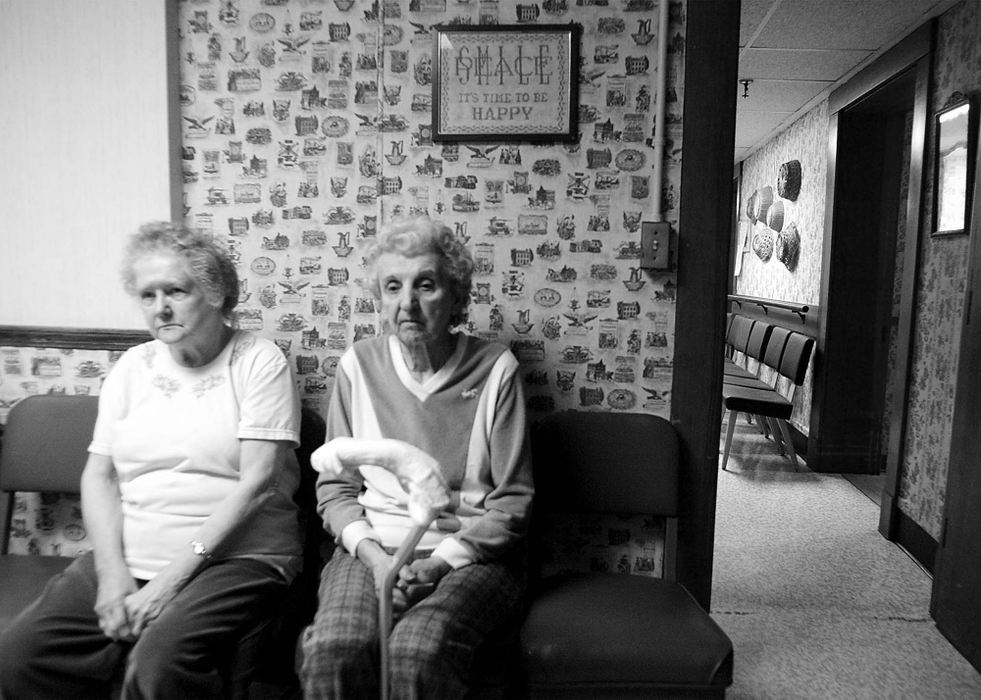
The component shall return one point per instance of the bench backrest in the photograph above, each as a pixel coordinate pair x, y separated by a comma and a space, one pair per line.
796, 355
45, 443
775, 346
739, 331
45, 447
759, 338
605, 462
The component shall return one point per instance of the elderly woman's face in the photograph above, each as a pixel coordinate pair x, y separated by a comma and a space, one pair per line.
416, 300
175, 308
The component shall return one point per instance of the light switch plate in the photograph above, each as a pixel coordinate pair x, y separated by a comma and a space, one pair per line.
655, 245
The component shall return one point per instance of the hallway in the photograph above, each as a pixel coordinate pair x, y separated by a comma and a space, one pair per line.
817, 603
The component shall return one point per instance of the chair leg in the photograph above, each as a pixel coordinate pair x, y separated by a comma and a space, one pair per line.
775, 430
765, 427
730, 429
785, 429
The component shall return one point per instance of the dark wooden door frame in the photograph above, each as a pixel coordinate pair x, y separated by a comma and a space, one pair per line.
708, 143
895, 450
912, 53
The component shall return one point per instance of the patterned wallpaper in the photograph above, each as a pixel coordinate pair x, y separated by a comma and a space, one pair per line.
939, 310
806, 141
306, 126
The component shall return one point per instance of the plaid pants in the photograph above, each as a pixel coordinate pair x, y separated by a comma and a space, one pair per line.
431, 646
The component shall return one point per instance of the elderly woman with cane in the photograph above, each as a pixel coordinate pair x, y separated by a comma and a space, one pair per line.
187, 497
420, 388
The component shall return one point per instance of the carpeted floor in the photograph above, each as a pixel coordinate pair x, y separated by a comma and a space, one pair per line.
817, 603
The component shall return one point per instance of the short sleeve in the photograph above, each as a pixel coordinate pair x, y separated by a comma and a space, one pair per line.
269, 406
112, 402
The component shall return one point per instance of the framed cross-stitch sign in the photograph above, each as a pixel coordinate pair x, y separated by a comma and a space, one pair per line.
506, 82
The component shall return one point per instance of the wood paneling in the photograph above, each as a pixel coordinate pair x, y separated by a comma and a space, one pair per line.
703, 272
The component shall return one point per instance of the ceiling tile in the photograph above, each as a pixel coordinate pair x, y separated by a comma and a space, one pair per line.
753, 128
751, 13
840, 24
808, 64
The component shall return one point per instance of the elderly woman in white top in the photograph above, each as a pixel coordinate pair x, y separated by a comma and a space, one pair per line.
186, 496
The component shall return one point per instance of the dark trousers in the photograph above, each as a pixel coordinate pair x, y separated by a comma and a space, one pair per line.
55, 649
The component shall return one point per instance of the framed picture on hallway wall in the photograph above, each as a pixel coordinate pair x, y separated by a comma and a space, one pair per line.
506, 82
955, 140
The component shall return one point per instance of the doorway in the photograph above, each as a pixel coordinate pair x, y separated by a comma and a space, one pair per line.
861, 314
868, 286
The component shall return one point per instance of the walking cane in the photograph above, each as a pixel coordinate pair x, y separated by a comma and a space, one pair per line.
420, 476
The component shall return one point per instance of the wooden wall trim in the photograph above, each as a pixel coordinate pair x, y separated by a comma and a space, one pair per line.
817, 368
174, 121
917, 542
912, 53
780, 317
909, 291
705, 215
70, 338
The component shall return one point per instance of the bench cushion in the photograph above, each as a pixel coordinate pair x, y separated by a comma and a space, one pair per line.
731, 369
751, 382
22, 577
764, 401
640, 633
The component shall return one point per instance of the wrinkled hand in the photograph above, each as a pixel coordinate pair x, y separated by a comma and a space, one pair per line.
110, 606
419, 578
145, 605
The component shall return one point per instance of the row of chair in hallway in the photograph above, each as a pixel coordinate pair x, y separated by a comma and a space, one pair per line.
751, 346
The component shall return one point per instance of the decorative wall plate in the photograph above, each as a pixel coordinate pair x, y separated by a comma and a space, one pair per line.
774, 216
787, 248
763, 244
788, 180
764, 198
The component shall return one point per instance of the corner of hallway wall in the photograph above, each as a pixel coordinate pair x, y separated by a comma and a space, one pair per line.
806, 141
941, 285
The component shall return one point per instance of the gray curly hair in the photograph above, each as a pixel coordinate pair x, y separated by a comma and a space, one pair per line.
207, 262
412, 236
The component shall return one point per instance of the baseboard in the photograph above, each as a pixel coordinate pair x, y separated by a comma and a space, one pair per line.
917, 542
